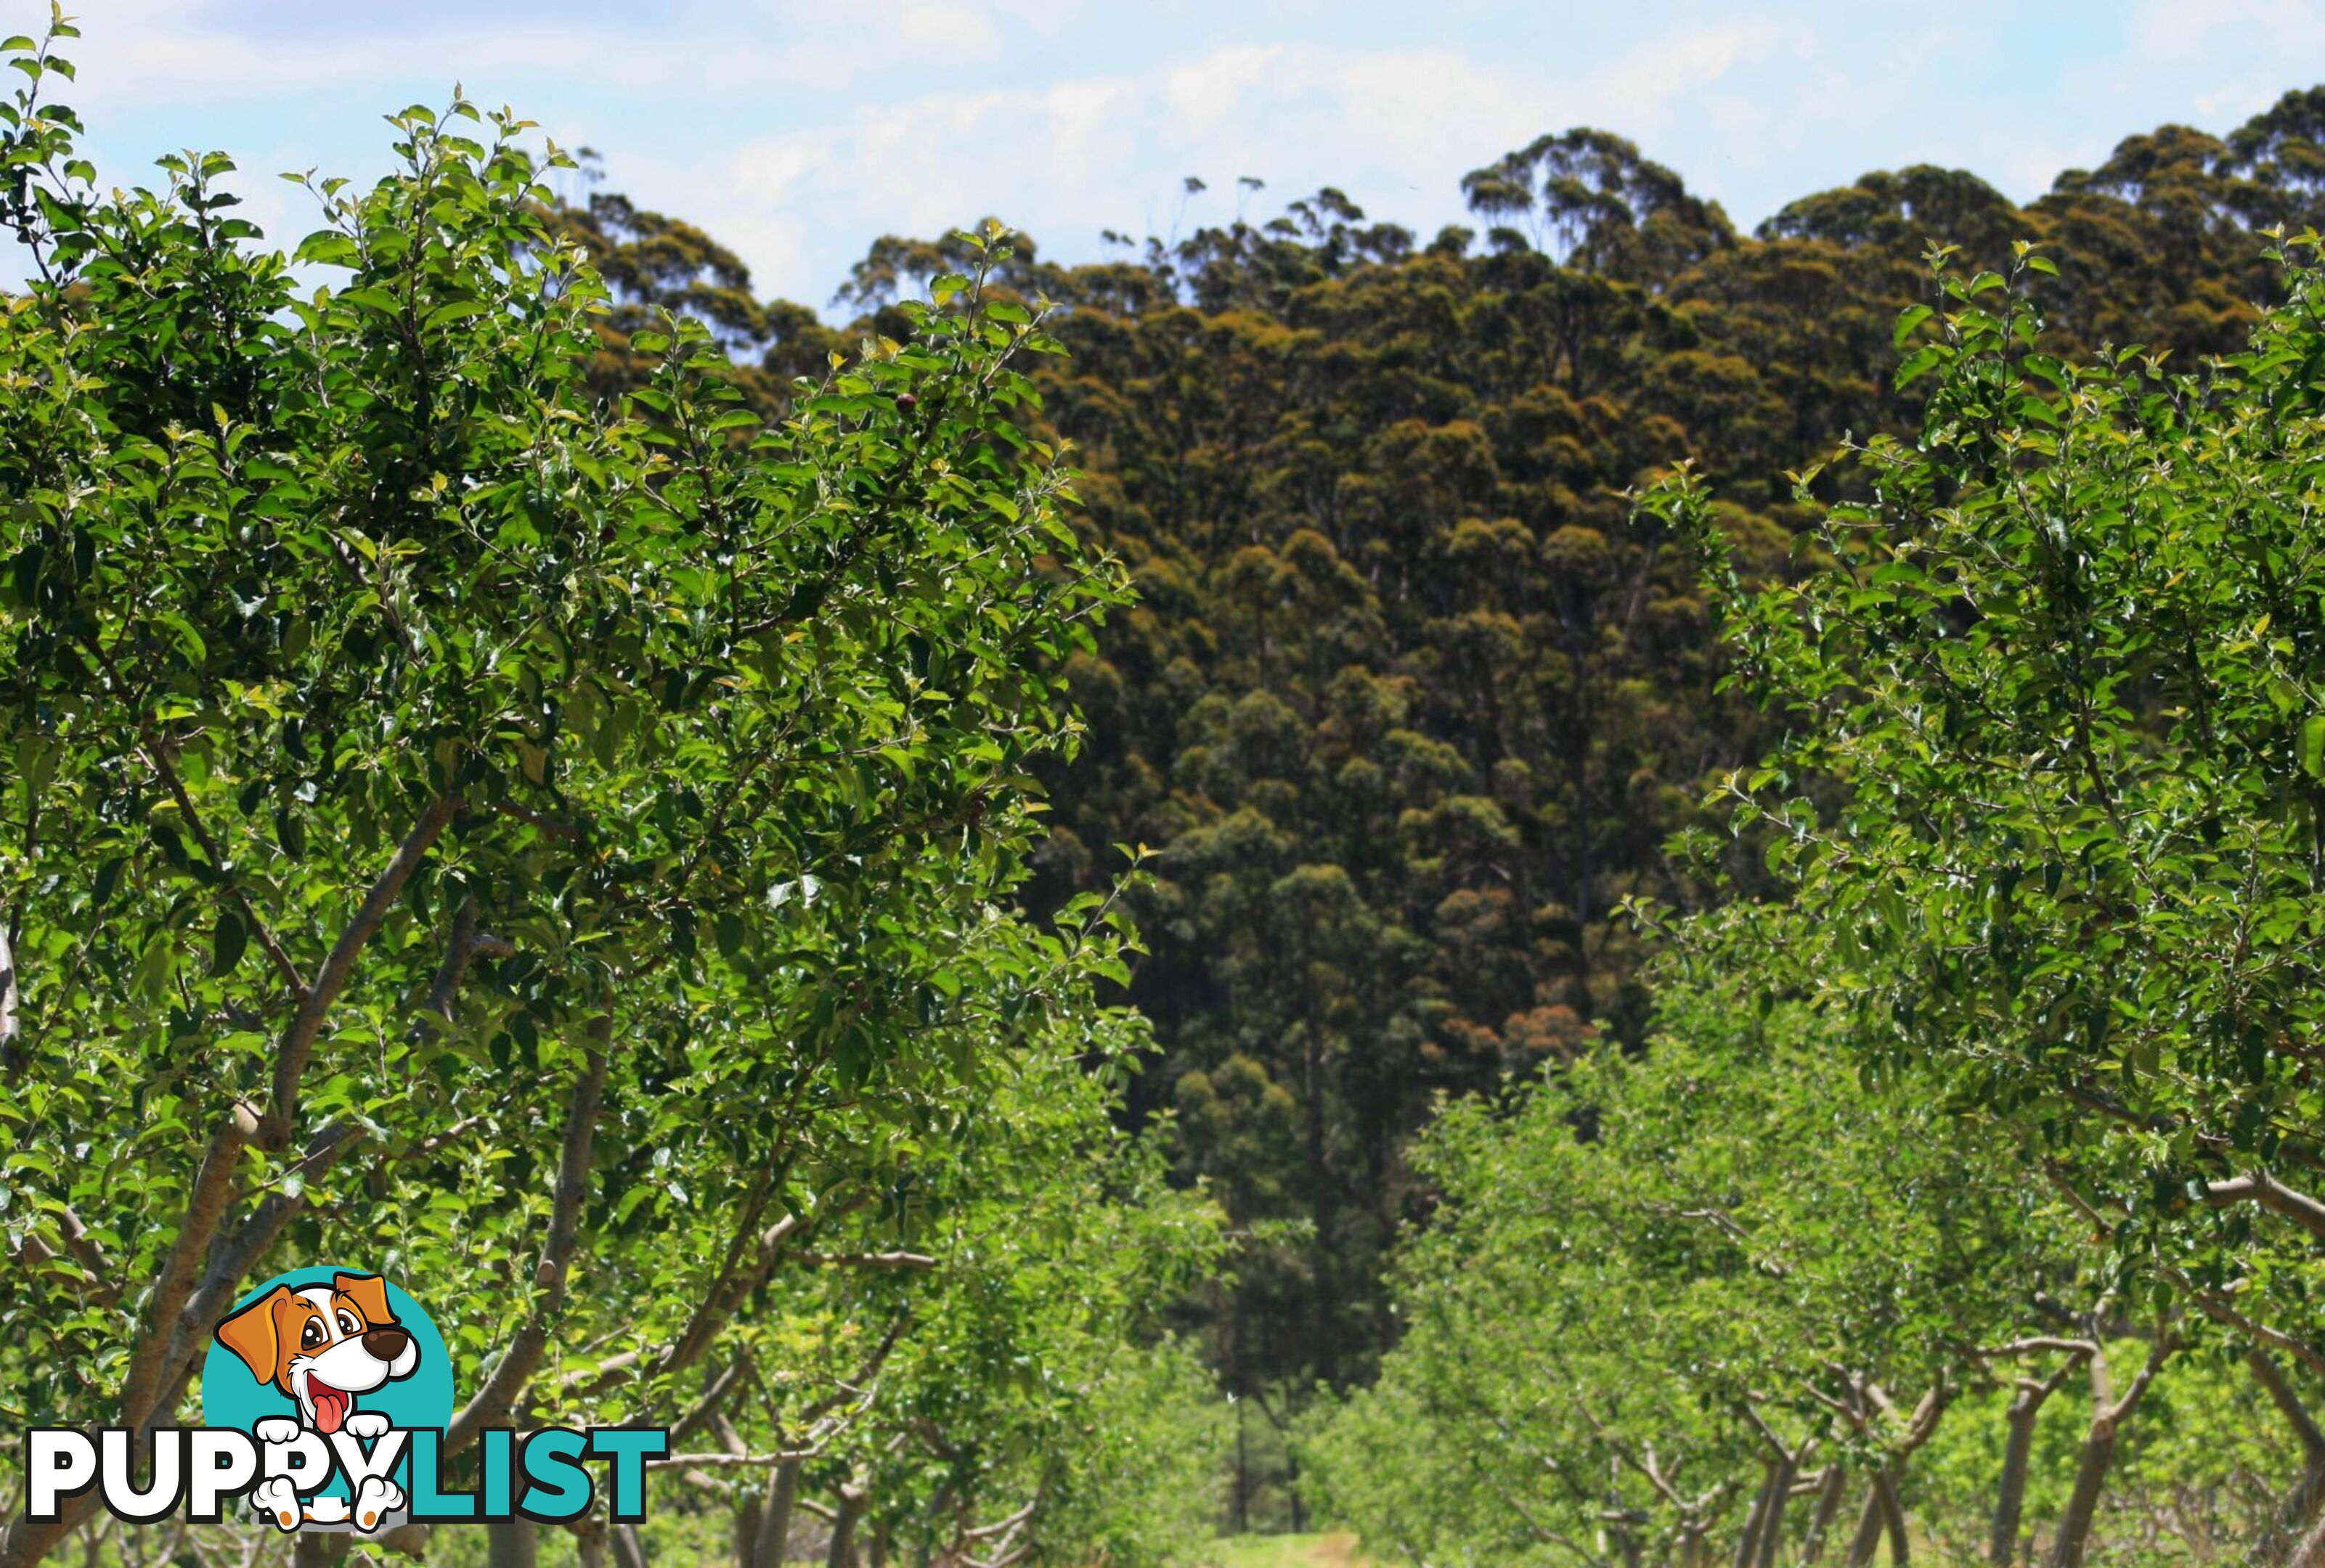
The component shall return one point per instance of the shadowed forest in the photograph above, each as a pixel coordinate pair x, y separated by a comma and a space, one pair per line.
1590, 890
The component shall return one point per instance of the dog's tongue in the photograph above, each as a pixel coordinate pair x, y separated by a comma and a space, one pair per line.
331, 1405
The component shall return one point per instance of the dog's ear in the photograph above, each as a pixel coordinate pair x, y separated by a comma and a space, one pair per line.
369, 1293
250, 1333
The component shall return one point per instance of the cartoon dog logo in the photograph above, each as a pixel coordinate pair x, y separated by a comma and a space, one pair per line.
322, 1347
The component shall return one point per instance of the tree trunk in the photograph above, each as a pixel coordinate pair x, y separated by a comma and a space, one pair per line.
1772, 1520
2309, 1551
1241, 1505
2083, 1503
589, 1544
318, 1548
843, 1527
748, 1513
775, 1516
1828, 1504
1893, 1515
1747, 1544
2010, 1496
1867, 1541
2107, 1416
512, 1544
1320, 1204
629, 1547
1292, 1488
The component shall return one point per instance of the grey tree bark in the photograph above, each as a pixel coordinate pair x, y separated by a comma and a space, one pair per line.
776, 1509
842, 1553
1893, 1515
1747, 1544
2010, 1495
512, 1544
1867, 1541
1828, 1505
2107, 1416
1772, 1521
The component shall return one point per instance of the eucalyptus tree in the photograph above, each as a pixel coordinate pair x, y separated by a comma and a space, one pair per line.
551, 851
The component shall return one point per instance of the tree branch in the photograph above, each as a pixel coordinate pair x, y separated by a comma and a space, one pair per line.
206, 1205
158, 757
2217, 1306
719, 1302
2288, 1403
236, 1253
491, 1405
2035, 1346
866, 1259
2158, 1349
2265, 1190
712, 1398
315, 1001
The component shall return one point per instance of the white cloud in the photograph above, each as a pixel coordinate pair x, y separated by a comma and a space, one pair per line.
928, 25
1648, 86
770, 169
1204, 93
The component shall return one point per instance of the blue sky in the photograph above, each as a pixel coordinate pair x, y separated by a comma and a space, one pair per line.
798, 132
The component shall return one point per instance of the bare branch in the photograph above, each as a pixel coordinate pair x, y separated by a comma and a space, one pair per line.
712, 1398
206, 1205
315, 1001
2037, 1346
1002, 1527
2288, 1403
2220, 1310
458, 948
235, 1253
2091, 1216
1767, 1436
2158, 1349
720, 1300
2265, 1190
725, 1461
866, 1259
436, 1140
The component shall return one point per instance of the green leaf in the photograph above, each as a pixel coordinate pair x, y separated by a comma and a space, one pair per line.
228, 942
1921, 362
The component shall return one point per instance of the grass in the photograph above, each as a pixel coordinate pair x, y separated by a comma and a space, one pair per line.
1336, 1550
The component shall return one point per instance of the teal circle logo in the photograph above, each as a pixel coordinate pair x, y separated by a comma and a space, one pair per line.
317, 1346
